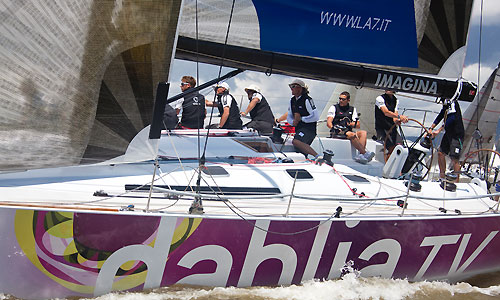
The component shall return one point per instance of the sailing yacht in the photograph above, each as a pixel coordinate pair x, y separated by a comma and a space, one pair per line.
95, 197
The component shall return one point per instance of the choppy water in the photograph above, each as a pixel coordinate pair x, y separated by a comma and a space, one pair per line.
349, 287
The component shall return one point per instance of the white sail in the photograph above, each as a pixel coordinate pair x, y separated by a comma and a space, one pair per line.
483, 114
78, 78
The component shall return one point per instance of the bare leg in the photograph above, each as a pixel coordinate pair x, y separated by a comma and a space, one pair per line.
303, 147
355, 142
362, 138
442, 163
456, 167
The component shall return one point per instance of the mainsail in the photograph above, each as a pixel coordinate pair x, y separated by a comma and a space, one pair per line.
340, 41
78, 77
483, 114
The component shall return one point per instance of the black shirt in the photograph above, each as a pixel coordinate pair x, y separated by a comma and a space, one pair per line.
193, 110
262, 111
381, 120
233, 120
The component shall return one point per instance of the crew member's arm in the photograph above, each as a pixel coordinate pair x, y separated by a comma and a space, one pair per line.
250, 106
329, 122
289, 115
435, 132
436, 122
282, 118
396, 117
355, 122
313, 112
177, 105
224, 117
330, 116
296, 119
210, 103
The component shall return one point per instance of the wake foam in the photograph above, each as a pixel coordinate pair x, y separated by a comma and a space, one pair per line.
349, 286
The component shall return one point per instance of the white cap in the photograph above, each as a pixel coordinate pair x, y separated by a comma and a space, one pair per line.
299, 82
222, 85
252, 87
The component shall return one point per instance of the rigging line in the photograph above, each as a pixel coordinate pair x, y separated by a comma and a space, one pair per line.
348, 186
227, 36
197, 44
188, 186
197, 77
332, 216
202, 158
178, 156
221, 193
478, 95
119, 195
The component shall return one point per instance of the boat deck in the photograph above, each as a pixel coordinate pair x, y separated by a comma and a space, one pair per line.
249, 191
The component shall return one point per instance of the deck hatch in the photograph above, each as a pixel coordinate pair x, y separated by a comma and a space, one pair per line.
301, 173
357, 178
215, 171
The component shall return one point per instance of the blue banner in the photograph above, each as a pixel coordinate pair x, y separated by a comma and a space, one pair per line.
366, 31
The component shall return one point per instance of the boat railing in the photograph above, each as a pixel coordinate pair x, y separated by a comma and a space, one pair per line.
418, 114
309, 197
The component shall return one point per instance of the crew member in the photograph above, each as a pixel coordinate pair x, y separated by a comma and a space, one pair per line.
193, 105
341, 120
386, 115
303, 115
260, 111
228, 108
453, 137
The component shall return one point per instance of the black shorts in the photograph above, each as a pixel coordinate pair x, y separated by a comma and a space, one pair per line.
391, 140
451, 146
305, 134
262, 127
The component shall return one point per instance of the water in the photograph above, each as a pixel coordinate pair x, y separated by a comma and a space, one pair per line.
481, 287
349, 287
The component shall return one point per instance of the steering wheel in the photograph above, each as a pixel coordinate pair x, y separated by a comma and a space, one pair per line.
411, 149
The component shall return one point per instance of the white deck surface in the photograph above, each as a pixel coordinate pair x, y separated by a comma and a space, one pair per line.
313, 198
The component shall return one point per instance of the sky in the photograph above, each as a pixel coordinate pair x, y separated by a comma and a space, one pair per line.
275, 87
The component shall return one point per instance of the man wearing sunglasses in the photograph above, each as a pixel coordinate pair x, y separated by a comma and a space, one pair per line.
193, 105
341, 120
303, 115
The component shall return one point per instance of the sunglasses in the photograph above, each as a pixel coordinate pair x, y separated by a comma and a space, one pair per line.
184, 83
294, 86
343, 98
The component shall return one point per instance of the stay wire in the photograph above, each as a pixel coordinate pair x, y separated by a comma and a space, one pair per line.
479, 62
198, 81
215, 92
